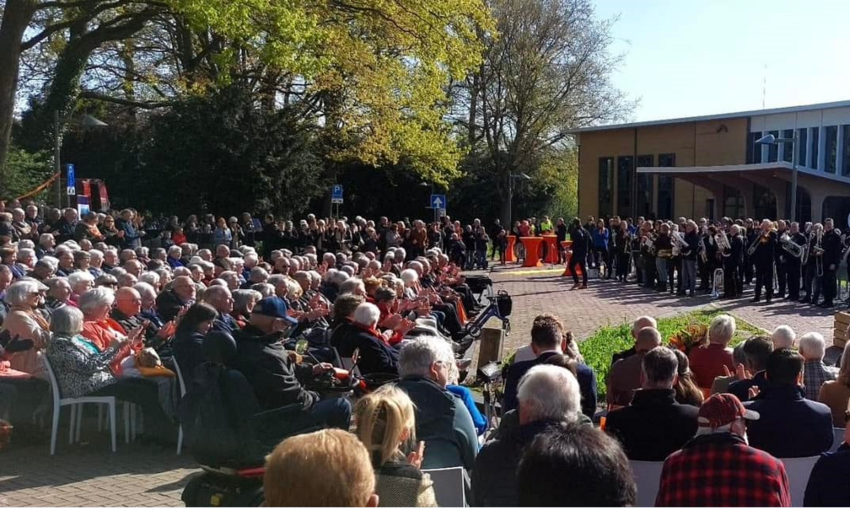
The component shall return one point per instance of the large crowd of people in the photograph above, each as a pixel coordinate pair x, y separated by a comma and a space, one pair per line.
783, 259
255, 318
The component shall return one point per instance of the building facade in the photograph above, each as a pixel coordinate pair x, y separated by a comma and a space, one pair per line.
711, 166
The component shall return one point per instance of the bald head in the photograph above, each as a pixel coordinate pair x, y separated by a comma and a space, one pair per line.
641, 323
128, 301
647, 339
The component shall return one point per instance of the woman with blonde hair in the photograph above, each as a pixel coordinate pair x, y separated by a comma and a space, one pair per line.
687, 391
386, 425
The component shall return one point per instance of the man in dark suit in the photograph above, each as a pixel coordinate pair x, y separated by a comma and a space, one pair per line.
547, 340
580, 246
654, 425
790, 425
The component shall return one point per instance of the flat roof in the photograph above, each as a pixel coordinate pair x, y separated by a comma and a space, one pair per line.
737, 168
722, 116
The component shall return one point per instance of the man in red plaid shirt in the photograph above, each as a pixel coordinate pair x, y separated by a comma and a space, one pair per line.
719, 468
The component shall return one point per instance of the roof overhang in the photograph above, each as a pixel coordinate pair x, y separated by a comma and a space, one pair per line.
767, 169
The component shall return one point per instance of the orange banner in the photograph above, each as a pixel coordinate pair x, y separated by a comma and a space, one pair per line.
40, 187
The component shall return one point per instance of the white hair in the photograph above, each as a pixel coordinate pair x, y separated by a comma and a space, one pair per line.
409, 276
145, 289
95, 298
17, 293
783, 337
23, 254
351, 285
175, 249
367, 314
812, 346
417, 355
721, 329
96, 254
549, 392
151, 278
643, 322
80, 277
66, 321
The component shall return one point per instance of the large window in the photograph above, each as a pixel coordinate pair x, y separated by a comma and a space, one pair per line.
666, 187
764, 203
802, 146
625, 166
753, 149
606, 186
787, 148
804, 204
733, 203
845, 142
644, 187
815, 147
773, 150
831, 154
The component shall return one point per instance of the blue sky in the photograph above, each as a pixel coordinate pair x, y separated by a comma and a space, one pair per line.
688, 57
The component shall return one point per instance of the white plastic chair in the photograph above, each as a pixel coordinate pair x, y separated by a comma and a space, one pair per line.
798, 471
76, 410
648, 479
448, 485
182, 385
838, 438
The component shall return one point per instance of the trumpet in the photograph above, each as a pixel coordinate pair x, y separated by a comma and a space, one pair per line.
755, 245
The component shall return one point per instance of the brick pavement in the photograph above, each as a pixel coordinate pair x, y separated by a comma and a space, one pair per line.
139, 475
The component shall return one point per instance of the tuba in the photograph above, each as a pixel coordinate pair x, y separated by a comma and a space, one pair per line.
722, 241
790, 246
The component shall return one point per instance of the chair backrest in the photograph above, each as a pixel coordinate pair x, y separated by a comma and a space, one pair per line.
648, 479
798, 471
54, 385
837, 439
179, 377
524, 354
448, 485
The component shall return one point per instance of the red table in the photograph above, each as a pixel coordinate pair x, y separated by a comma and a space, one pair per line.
567, 272
532, 250
509, 254
552, 249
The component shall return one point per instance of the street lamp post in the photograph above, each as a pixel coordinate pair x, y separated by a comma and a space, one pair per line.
770, 139
511, 178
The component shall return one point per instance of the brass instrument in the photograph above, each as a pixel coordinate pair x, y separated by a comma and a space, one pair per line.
703, 256
790, 246
717, 283
649, 242
723, 243
817, 251
755, 245
805, 257
679, 242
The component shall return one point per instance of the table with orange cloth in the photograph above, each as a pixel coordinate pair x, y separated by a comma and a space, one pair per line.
532, 250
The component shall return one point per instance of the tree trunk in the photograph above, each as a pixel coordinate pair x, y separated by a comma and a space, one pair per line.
16, 18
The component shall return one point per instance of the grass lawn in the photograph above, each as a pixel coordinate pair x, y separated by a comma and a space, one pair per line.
601, 346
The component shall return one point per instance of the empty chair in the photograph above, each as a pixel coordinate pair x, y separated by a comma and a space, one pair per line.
648, 479
76, 410
798, 471
448, 485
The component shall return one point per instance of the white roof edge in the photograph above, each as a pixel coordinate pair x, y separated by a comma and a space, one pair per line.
742, 167
721, 116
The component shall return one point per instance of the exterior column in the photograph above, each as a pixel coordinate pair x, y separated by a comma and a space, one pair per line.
808, 161
839, 153
822, 149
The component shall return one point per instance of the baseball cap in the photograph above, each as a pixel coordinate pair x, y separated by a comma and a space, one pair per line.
722, 409
276, 307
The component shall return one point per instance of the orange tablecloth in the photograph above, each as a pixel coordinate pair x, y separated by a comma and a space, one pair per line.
566, 245
552, 250
509, 254
532, 250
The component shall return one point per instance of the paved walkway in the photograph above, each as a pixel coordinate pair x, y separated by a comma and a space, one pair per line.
137, 475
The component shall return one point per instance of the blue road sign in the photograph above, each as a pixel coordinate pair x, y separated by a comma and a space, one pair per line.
71, 186
438, 201
336, 194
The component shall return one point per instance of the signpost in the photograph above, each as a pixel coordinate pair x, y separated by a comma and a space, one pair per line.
336, 197
439, 204
71, 185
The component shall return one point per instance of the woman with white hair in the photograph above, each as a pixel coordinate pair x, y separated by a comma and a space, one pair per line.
81, 282
96, 262
25, 322
376, 355
151, 278
708, 362
98, 327
58, 295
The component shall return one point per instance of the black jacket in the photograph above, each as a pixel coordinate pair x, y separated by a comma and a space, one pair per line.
653, 426
584, 374
188, 350
168, 305
375, 355
276, 379
581, 242
494, 480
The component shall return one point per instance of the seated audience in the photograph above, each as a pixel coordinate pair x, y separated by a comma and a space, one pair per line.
707, 362
790, 425
376, 355
442, 421
828, 484
758, 350
815, 373
783, 337
386, 425
187, 346
572, 465
835, 394
739, 358
638, 325
624, 377
27, 323
329, 467
548, 339
548, 395
654, 425
687, 391
718, 467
